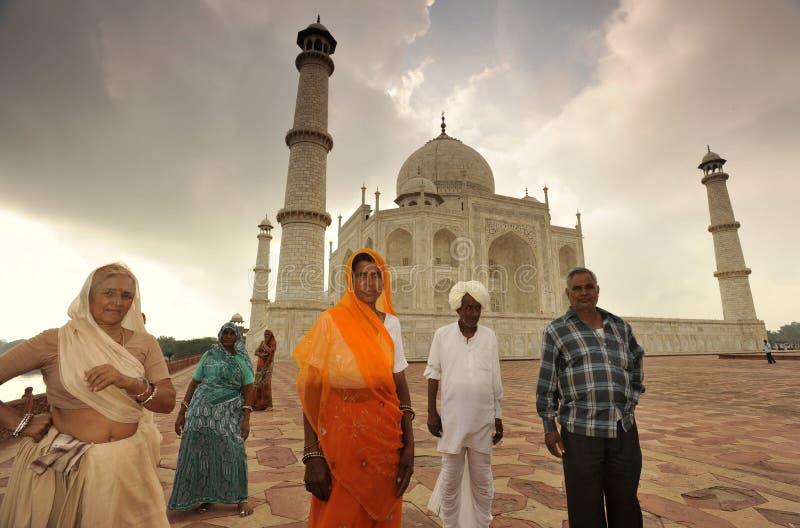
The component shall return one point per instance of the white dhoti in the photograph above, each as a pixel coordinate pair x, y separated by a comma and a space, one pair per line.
464, 491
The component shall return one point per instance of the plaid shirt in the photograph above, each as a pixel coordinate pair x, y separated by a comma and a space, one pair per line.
597, 380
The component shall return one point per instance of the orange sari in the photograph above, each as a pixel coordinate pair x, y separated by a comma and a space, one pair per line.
349, 397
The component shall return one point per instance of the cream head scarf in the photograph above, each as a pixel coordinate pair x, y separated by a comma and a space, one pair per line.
82, 344
475, 288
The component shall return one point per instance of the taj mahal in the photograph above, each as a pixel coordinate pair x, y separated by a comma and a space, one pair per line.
448, 224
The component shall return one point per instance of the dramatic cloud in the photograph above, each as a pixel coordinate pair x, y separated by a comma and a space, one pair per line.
154, 132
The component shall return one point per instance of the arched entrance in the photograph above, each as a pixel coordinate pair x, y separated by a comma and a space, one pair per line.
513, 278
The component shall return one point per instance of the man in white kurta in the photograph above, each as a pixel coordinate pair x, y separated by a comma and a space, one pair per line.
464, 360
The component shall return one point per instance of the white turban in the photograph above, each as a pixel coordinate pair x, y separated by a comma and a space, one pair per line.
475, 288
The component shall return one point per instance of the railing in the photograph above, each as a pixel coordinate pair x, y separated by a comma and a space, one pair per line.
182, 363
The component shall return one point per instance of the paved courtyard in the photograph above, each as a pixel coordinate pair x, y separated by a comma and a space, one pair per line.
721, 444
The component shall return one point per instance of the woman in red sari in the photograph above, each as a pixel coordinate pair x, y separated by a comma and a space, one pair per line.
359, 443
263, 382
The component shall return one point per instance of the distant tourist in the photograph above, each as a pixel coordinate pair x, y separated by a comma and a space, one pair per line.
464, 359
768, 352
359, 441
591, 378
213, 423
96, 465
263, 382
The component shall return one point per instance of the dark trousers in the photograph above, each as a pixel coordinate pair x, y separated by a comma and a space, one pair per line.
603, 468
770, 359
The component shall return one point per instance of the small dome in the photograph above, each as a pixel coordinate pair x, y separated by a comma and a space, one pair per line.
711, 157
417, 185
530, 199
265, 223
316, 29
237, 318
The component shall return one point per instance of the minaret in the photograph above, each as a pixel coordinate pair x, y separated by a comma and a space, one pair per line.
260, 298
546, 201
734, 286
303, 218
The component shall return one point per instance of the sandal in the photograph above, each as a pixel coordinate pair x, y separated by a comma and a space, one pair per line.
245, 510
202, 508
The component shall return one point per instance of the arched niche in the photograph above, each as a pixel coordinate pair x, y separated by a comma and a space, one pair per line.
566, 260
441, 295
513, 280
402, 294
339, 275
398, 248
442, 244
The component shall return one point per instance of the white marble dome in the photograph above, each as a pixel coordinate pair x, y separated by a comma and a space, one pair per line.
443, 160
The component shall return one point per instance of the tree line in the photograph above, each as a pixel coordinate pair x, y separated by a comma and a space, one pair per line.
178, 348
788, 333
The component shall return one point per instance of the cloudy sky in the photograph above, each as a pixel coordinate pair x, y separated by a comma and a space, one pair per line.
152, 132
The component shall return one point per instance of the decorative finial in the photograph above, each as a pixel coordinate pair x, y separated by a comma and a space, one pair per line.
363, 185
419, 171
708, 147
526, 192
443, 125
317, 19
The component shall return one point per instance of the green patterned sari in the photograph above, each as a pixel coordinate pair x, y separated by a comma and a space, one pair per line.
212, 464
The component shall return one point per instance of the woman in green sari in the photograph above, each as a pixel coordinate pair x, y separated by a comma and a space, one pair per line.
213, 423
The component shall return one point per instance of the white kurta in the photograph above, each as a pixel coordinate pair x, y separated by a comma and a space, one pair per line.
472, 392
392, 325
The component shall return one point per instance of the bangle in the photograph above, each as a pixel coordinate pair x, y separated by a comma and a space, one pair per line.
408, 409
26, 419
310, 446
184, 404
312, 454
247, 408
146, 388
152, 394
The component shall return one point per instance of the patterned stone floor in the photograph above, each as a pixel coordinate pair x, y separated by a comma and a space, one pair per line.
720, 438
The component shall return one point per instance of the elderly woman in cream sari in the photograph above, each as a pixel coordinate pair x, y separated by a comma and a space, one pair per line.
105, 376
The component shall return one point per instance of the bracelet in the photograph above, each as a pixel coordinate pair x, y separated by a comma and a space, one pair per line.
408, 409
22, 424
247, 408
152, 394
312, 454
146, 388
310, 446
184, 404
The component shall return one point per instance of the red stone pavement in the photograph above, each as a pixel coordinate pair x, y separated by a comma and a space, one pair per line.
720, 438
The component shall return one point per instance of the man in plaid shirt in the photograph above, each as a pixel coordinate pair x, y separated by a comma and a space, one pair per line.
591, 377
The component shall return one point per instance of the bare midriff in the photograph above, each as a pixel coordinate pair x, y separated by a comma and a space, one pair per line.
89, 425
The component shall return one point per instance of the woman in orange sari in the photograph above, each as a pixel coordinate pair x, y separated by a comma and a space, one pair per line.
359, 443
